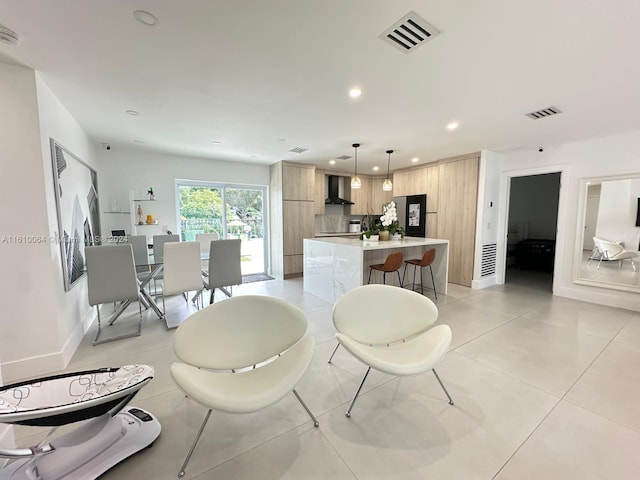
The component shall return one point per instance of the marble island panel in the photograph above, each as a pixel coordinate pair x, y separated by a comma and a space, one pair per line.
333, 266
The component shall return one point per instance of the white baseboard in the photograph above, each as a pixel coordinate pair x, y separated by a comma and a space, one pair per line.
600, 296
42, 365
484, 282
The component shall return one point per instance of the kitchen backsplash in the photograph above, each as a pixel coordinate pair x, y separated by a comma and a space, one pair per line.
334, 220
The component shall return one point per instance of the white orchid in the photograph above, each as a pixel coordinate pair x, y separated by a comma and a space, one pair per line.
389, 214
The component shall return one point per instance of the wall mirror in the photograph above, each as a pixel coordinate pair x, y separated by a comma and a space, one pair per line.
608, 210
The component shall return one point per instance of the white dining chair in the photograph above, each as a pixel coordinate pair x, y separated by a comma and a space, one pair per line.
111, 277
205, 245
159, 242
182, 271
225, 269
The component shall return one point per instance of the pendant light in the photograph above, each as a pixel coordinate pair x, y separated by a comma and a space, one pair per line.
355, 179
387, 186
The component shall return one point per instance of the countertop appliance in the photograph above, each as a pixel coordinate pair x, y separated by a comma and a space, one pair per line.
355, 226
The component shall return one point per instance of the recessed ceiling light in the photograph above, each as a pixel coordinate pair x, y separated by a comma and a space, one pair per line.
375, 169
9, 36
415, 159
134, 113
452, 126
355, 92
146, 18
216, 142
332, 162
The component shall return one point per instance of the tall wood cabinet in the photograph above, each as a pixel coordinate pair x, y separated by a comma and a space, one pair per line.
451, 186
292, 207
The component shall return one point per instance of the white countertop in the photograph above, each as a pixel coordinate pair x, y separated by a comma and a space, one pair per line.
369, 245
336, 234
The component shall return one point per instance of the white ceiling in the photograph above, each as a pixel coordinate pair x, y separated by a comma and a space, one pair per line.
263, 77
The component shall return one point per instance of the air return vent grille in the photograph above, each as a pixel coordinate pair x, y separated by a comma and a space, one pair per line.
409, 32
488, 265
545, 112
343, 157
298, 150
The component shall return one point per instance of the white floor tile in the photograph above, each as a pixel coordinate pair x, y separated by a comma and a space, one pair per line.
544, 388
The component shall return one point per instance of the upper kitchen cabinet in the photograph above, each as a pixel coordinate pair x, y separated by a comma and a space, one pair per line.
320, 192
378, 196
298, 182
361, 197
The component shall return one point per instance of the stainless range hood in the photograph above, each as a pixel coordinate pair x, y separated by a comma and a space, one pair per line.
333, 198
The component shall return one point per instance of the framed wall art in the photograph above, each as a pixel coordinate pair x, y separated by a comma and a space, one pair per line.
76, 191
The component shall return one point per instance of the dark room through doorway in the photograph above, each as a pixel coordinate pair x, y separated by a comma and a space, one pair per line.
532, 229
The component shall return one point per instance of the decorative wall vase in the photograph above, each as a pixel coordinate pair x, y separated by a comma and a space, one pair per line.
384, 235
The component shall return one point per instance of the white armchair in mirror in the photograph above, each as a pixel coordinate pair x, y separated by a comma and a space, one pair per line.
608, 235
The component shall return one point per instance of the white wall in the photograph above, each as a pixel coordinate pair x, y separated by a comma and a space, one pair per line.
614, 155
27, 296
487, 213
41, 323
617, 212
124, 170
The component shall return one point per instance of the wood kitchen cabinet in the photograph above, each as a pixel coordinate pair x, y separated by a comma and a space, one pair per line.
451, 186
320, 191
298, 182
457, 215
361, 197
378, 196
292, 195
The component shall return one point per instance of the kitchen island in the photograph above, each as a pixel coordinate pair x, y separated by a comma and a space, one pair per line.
333, 266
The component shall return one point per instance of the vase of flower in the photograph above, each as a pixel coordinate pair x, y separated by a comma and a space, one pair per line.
389, 220
384, 235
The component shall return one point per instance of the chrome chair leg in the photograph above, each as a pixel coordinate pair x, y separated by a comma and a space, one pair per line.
186, 460
348, 414
334, 352
442, 385
304, 405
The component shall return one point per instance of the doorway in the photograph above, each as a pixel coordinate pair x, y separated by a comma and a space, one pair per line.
531, 230
231, 211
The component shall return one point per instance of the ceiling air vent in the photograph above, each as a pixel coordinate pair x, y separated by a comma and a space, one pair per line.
343, 157
409, 32
545, 112
298, 150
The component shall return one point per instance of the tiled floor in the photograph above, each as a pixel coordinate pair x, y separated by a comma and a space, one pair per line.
545, 388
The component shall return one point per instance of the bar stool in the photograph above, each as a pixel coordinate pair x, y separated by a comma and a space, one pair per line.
392, 263
426, 261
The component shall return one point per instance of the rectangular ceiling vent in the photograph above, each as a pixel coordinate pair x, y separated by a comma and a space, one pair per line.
343, 157
409, 32
298, 150
545, 112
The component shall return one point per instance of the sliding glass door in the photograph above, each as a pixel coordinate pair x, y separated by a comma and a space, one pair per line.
231, 211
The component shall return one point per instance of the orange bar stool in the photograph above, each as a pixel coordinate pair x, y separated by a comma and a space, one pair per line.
426, 261
392, 263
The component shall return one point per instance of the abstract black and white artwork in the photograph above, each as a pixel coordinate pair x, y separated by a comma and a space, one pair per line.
76, 189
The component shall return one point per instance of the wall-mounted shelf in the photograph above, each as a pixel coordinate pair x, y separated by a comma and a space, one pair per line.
147, 224
144, 200
121, 213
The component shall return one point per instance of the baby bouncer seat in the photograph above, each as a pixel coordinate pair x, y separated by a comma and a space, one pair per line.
111, 431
